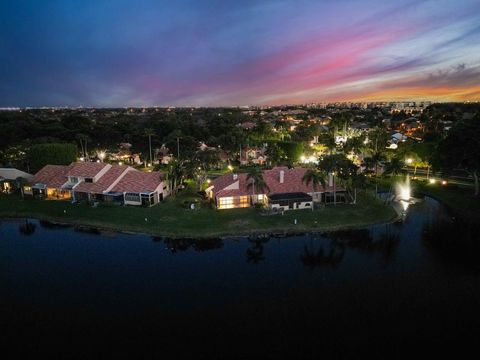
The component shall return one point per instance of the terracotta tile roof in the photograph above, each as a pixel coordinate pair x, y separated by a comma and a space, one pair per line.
105, 181
53, 176
225, 181
292, 183
139, 182
86, 169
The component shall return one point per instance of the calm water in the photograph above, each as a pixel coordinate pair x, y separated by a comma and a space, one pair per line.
383, 287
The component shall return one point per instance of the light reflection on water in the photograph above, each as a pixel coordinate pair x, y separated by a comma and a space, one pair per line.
263, 286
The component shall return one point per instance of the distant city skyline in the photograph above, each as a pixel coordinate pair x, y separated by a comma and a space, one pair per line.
98, 53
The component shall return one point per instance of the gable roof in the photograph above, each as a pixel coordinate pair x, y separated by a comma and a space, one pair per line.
139, 182
86, 168
105, 181
53, 176
292, 183
12, 174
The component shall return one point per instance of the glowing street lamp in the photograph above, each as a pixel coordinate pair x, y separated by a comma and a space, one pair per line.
101, 155
409, 161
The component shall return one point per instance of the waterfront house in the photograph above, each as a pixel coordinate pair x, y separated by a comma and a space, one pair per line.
286, 190
99, 182
233, 191
9, 179
47, 183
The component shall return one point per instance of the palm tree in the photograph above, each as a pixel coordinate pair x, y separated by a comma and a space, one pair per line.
175, 174
28, 228
316, 178
394, 167
255, 252
83, 139
149, 132
330, 165
355, 181
21, 182
255, 177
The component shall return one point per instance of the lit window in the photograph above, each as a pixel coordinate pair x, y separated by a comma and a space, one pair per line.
132, 197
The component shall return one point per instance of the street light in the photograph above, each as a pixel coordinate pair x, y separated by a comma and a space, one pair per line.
409, 161
101, 155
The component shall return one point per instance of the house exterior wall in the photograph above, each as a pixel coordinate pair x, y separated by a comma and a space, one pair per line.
316, 196
48, 193
233, 202
161, 191
129, 201
241, 201
296, 205
135, 203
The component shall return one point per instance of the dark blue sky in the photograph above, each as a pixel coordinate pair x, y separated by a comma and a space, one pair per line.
138, 53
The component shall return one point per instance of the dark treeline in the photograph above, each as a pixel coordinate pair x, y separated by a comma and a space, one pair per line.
107, 128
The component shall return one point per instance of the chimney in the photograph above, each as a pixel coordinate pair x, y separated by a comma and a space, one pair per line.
282, 175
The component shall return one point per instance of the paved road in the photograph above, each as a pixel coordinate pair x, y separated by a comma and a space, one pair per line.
458, 177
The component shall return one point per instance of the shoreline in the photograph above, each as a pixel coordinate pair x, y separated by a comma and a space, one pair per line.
289, 231
171, 219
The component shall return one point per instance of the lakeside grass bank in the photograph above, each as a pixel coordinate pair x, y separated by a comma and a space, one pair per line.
174, 219
459, 199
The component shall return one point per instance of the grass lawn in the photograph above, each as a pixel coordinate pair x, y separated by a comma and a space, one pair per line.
173, 218
458, 198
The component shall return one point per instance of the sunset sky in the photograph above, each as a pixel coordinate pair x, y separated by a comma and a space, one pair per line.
228, 52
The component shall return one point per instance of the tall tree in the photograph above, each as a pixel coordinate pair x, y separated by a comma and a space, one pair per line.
315, 177
149, 132
394, 167
255, 179
461, 149
175, 174
340, 167
20, 183
40, 155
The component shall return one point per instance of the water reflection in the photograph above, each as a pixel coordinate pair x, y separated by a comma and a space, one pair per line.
254, 253
176, 245
453, 241
53, 225
28, 228
315, 255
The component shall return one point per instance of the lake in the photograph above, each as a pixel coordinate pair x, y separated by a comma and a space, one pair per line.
381, 288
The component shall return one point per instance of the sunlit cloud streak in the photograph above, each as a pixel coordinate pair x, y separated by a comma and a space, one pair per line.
215, 53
